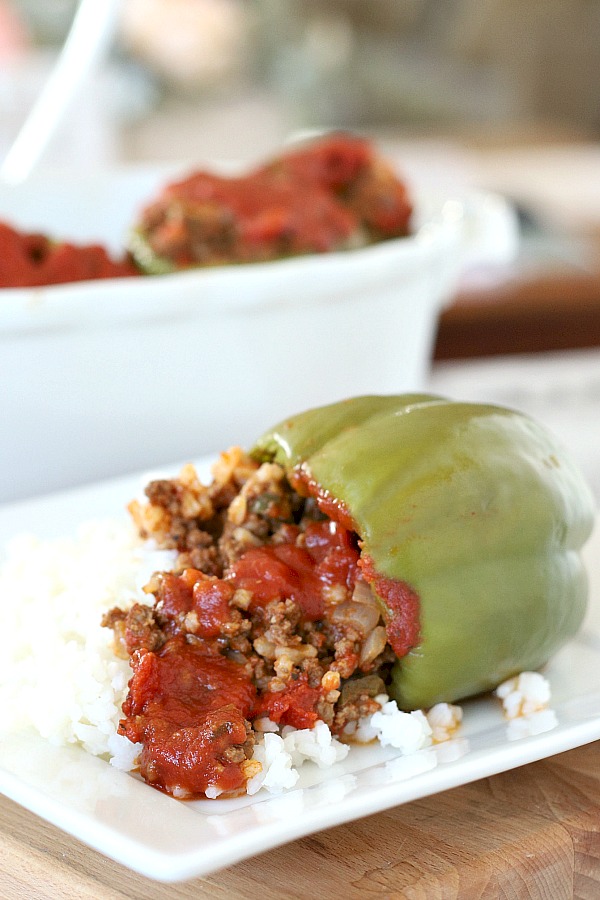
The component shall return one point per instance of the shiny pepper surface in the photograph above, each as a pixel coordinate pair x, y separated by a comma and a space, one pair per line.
475, 508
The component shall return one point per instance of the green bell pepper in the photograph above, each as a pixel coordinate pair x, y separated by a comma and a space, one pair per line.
145, 258
471, 518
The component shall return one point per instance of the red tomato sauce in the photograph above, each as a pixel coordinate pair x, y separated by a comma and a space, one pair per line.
331, 194
348, 166
326, 195
329, 557
33, 260
307, 486
402, 618
192, 592
207, 218
295, 706
333, 161
188, 704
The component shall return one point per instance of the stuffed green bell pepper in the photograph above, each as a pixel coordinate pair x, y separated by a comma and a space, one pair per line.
470, 519
329, 194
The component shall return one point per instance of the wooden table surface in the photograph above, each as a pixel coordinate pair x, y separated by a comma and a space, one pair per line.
527, 313
533, 832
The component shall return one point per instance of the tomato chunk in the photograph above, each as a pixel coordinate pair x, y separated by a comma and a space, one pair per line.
189, 709
285, 570
296, 705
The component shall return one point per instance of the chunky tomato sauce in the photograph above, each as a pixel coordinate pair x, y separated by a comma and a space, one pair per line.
329, 505
334, 161
188, 706
295, 706
402, 602
330, 556
207, 219
32, 260
348, 166
329, 194
205, 598
187, 703
402, 618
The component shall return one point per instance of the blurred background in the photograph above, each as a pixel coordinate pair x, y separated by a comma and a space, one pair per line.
464, 89
198, 78
498, 94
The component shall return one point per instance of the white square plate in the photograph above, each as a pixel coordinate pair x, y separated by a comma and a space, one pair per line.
169, 840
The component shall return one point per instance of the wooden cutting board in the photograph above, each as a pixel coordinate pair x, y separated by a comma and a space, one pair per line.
531, 833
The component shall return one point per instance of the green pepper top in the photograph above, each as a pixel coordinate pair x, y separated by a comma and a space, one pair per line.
475, 510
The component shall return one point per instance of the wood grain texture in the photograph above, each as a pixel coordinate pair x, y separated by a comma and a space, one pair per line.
529, 834
528, 314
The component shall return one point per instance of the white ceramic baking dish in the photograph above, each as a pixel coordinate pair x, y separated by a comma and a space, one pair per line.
103, 378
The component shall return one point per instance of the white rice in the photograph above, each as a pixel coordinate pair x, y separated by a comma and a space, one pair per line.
59, 674
524, 694
444, 720
282, 755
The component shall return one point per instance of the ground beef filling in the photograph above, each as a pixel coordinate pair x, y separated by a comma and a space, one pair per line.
266, 615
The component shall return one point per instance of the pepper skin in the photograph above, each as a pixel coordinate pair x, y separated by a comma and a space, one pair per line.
476, 508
